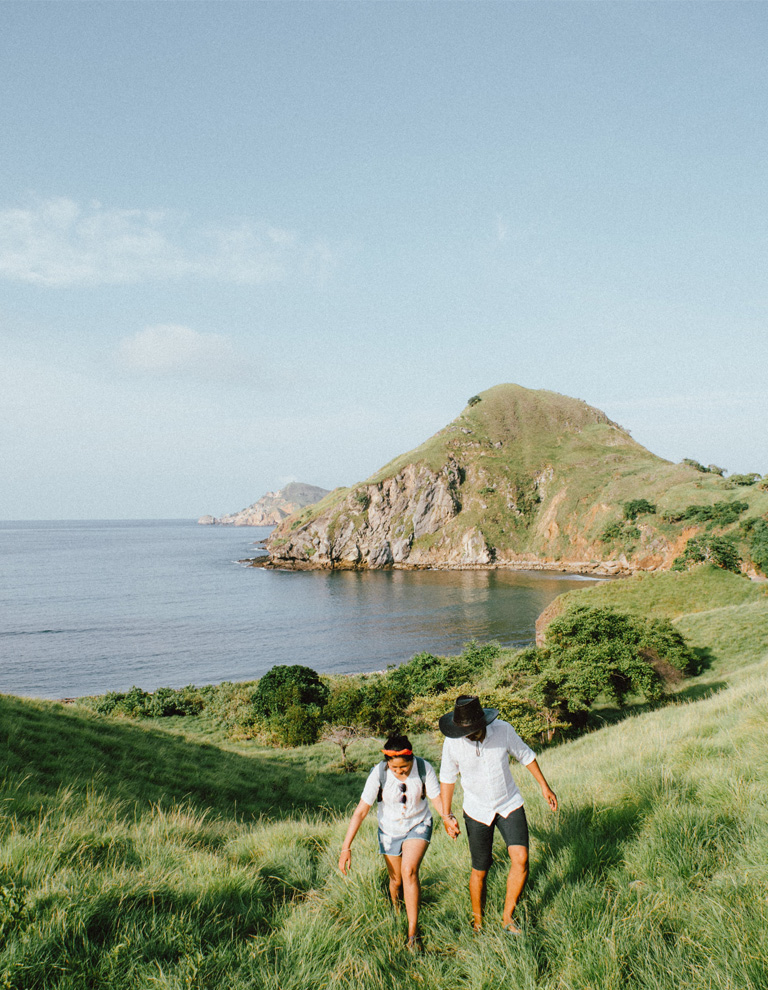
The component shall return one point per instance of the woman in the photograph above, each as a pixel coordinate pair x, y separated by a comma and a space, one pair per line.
400, 784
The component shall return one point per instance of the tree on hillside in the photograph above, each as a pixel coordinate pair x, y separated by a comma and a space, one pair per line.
718, 550
289, 701
597, 652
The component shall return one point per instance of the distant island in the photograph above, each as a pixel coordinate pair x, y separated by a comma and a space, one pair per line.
532, 479
271, 508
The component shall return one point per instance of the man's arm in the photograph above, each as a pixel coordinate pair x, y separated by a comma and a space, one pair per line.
449, 820
549, 795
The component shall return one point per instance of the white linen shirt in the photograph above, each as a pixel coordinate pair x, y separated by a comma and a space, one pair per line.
489, 788
395, 818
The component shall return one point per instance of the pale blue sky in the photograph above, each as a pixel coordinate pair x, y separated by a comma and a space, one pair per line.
245, 243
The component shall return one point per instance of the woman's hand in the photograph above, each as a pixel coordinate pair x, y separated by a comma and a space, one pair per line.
451, 826
345, 860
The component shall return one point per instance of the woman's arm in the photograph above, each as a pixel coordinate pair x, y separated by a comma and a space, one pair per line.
345, 857
449, 820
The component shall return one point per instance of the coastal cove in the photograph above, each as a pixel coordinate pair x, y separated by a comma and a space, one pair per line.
90, 607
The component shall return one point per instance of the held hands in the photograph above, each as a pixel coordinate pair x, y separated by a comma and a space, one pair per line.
345, 860
451, 826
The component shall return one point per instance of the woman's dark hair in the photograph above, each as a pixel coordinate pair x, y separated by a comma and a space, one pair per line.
397, 743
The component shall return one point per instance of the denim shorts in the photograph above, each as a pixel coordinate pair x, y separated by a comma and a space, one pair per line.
393, 845
514, 831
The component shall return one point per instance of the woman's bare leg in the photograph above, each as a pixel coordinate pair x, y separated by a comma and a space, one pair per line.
413, 853
394, 869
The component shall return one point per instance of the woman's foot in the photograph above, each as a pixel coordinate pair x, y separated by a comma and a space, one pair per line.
413, 943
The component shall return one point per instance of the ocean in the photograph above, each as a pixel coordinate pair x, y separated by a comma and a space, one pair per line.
90, 607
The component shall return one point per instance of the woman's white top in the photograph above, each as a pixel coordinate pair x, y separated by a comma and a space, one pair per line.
396, 818
489, 788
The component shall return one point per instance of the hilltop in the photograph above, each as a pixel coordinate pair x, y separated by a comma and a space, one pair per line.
271, 508
521, 478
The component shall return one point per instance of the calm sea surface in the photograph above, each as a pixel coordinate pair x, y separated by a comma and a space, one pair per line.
89, 607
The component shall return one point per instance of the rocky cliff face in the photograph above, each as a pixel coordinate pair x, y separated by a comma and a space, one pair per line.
521, 479
376, 525
271, 508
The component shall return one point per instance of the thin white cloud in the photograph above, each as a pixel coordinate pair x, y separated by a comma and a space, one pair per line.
58, 242
174, 351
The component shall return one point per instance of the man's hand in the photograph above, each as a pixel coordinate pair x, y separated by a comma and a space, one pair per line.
345, 860
451, 826
549, 796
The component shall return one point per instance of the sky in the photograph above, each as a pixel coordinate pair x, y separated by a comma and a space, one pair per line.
248, 243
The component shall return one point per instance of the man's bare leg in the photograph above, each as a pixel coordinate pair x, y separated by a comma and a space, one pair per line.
518, 874
477, 892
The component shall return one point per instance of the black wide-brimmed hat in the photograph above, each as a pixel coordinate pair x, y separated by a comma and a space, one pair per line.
468, 716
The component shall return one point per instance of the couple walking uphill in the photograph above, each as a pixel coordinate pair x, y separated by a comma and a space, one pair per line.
477, 747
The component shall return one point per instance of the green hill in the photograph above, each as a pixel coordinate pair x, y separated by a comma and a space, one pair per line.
521, 478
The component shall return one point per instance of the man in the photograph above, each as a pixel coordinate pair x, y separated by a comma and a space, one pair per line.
477, 746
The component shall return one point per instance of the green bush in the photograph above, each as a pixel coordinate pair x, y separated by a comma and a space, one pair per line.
288, 702
299, 725
626, 531
598, 652
429, 674
383, 705
638, 507
744, 479
344, 702
757, 531
164, 702
283, 686
718, 550
720, 514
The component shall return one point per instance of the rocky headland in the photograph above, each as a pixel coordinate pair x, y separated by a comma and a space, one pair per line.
271, 508
521, 479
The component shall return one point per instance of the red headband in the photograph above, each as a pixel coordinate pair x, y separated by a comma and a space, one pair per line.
397, 752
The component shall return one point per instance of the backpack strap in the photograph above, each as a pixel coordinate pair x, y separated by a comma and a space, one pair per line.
382, 778
421, 768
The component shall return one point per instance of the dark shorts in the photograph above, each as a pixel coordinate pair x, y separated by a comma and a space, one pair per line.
513, 829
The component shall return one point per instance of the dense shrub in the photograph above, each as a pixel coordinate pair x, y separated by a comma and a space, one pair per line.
744, 479
429, 674
383, 705
283, 686
594, 652
720, 514
718, 550
344, 702
638, 507
288, 702
757, 533
626, 531
162, 703
298, 725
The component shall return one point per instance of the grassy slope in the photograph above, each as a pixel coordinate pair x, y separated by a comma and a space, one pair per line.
146, 858
720, 613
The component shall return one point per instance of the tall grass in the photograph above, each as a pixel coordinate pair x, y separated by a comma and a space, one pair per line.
117, 872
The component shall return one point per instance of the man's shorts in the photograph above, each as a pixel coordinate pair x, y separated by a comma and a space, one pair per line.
393, 845
513, 829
